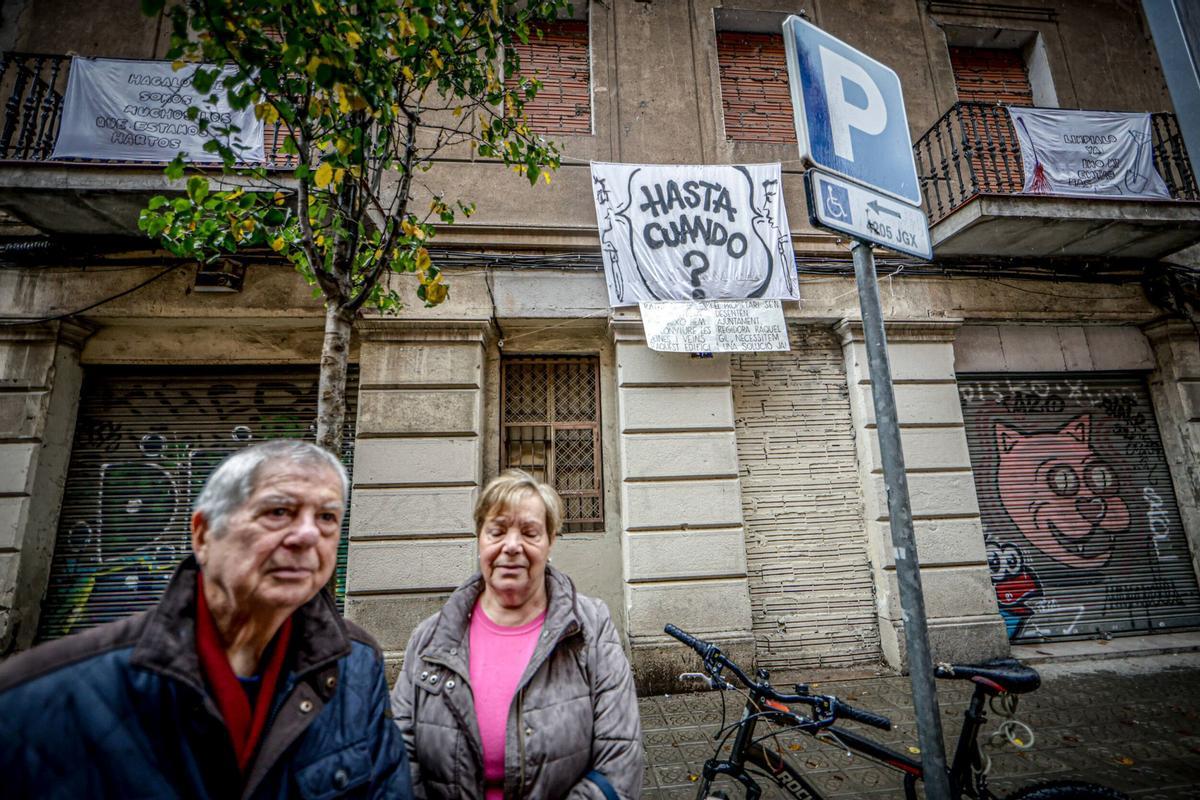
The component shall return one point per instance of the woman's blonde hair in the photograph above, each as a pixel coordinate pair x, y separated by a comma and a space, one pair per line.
509, 488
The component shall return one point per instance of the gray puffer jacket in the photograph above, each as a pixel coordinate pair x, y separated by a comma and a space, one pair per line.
575, 709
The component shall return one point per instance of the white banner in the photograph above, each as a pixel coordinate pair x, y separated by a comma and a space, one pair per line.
693, 232
137, 111
1087, 153
715, 326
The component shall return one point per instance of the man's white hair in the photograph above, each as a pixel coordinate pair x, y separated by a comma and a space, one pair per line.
234, 480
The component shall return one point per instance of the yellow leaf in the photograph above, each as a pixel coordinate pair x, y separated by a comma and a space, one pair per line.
324, 175
343, 101
320, 9
423, 261
343, 145
458, 111
408, 73
913, 750
177, 65
320, 239
436, 293
338, 175
277, 244
353, 38
266, 112
279, 198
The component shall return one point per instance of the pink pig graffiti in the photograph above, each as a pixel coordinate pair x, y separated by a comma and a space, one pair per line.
1060, 493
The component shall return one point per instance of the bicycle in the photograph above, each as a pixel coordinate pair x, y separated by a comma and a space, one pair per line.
749, 760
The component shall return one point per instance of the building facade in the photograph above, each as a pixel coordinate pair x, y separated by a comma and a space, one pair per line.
1046, 369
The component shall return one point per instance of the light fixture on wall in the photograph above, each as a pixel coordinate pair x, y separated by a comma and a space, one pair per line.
221, 275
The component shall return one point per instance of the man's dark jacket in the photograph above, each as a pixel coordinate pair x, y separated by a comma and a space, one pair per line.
122, 711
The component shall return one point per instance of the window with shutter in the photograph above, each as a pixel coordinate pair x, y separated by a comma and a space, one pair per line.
754, 87
550, 427
559, 59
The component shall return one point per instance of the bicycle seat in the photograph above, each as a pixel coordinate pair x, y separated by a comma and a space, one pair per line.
1007, 673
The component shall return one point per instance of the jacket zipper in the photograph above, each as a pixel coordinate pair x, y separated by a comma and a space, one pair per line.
521, 739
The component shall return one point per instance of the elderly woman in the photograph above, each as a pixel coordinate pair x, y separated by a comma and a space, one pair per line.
518, 687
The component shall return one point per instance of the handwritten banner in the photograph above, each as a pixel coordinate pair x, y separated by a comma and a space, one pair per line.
693, 233
715, 326
138, 111
1087, 153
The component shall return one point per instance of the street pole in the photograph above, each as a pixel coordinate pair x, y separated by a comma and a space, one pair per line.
912, 599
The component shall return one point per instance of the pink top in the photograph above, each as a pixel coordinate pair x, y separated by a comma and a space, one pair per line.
499, 655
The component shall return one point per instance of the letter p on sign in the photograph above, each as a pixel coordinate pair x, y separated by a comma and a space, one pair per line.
849, 113
871, 119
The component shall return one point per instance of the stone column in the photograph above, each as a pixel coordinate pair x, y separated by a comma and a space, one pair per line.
1175, 391
417, 468
40, 378
681, 513
960, 604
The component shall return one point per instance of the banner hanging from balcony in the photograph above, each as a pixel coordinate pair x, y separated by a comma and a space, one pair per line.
138, 111
693, 233
1088, 153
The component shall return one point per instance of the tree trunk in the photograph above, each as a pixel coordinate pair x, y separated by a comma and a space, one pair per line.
335, 355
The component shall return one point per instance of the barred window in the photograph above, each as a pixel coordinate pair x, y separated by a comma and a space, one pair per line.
754, 87
550, 427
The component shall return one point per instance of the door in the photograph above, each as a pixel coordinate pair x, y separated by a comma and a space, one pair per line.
1082, 531
811, 590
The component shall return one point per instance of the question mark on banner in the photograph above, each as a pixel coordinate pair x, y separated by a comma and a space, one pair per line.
697, 292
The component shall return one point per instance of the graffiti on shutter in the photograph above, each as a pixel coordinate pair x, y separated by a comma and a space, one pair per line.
811, 591
1082, 531
145, 442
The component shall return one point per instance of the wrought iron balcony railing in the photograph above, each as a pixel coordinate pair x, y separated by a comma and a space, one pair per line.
34, 84
973, 150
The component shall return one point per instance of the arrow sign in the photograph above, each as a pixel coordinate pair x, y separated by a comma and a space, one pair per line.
880, 209
844, 206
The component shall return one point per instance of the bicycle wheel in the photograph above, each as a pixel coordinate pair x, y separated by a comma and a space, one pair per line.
1066, 790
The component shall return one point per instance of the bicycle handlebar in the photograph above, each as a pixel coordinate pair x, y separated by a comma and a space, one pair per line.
715, 661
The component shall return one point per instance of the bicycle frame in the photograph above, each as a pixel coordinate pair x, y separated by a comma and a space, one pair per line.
966, 777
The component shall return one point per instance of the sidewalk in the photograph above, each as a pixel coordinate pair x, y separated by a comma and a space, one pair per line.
1132, 723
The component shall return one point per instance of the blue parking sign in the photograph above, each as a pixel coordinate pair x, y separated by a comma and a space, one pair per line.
849, 111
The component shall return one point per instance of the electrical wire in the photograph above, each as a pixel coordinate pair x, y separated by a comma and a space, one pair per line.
19, 322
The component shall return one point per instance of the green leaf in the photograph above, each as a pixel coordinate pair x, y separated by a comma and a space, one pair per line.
197, 188
174, 170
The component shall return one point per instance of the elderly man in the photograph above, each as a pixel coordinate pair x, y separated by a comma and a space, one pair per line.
242, 682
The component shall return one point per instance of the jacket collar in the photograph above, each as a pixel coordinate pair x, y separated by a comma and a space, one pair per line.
448, 643
168, 641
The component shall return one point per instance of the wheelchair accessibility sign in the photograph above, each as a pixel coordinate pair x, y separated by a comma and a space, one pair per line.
846, 207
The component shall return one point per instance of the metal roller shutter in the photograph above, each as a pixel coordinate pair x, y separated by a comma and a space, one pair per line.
811, 592
145, 441
1082, 531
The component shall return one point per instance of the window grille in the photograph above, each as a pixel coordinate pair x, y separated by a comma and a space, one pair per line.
550, 427
559, 59
754, 87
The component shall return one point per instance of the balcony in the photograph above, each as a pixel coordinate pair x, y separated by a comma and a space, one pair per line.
971, 175
74, 197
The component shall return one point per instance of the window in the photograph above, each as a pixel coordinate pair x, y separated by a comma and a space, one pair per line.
559, 59
550, 427
754, 87
992, 76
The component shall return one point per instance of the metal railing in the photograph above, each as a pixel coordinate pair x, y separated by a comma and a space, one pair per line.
34, 85
973, 150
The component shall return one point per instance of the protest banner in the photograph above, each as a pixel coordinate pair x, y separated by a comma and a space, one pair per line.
1087, 153
674, 232
715, 326
138, 111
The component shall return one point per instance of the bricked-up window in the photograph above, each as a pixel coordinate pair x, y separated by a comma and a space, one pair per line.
994, 77
984, 75
754, 87
559, 59
550, 427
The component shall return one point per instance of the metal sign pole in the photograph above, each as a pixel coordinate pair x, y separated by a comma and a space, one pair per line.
912, 600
